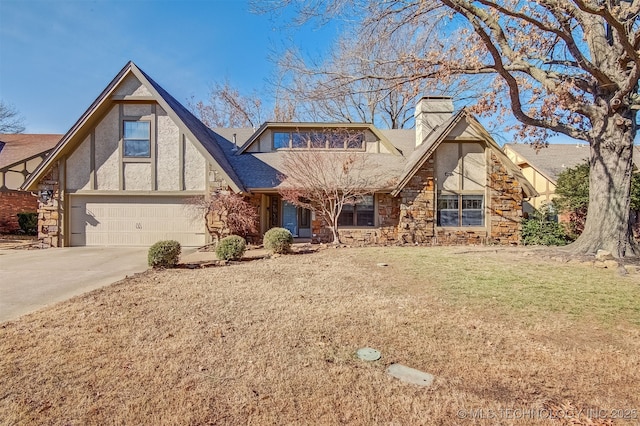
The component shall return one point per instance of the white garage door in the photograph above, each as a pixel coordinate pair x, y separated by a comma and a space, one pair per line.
134, 221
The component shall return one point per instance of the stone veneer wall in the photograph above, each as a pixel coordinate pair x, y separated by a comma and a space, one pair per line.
410, 218
49, 214
417, 208
506, 204
256, 201
214, 221
218, 229
386, 233
12, 203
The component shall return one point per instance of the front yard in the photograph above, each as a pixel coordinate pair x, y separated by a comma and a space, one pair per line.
510, 338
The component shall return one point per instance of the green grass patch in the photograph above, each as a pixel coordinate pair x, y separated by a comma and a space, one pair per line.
508, 281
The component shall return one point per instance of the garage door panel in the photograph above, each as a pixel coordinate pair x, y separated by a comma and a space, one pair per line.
129, 221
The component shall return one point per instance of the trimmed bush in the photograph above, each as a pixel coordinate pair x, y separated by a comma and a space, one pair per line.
28, 222
231, 248
164, 254
278, 240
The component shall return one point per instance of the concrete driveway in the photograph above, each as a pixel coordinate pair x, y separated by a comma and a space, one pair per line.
32, 279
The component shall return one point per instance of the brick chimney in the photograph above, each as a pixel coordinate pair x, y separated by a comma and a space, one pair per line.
431, 112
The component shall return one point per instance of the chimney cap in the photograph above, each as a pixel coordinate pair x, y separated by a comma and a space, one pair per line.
435, 104
437, 97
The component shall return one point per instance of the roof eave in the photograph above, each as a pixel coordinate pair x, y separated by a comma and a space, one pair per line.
404, 179
102, 99
315, 125
36, 176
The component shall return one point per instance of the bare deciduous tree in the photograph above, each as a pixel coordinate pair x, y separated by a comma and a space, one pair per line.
569, 67
324, 182
226, 213
10, 120
347, 86
227, 107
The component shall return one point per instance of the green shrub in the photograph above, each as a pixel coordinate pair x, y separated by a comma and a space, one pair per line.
231, 248
28, 222
278, 240
164, 254
542, 229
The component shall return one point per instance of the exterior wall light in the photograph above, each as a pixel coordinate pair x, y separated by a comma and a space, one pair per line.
44, 195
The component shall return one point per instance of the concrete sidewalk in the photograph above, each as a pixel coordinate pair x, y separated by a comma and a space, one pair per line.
32, 279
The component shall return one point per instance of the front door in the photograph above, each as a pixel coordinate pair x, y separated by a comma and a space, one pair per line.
290, 217
296, 219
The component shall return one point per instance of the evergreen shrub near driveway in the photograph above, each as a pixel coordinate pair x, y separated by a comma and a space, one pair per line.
231, 248
28, 223
278, 240
164, 254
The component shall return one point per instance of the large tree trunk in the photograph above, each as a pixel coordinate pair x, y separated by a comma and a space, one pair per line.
611, 163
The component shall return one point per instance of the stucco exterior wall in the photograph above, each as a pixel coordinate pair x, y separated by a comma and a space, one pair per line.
168, 154
107, 160
143, 111
137, 177
266, 142
13, 176
194, 168
131, 86
545, 187
79, 162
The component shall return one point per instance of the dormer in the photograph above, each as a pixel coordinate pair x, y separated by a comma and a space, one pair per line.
353, 137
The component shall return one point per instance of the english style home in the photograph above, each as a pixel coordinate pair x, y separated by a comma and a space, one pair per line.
19, 156
128, 170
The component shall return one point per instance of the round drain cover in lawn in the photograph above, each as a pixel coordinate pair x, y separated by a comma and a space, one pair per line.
368, 354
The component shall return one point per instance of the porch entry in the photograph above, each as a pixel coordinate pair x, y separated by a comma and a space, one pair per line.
297, 220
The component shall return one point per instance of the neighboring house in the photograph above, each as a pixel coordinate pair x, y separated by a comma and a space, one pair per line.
128, 171
542, 167
20, 154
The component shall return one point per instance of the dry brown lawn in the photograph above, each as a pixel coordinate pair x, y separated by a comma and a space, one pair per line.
511, 339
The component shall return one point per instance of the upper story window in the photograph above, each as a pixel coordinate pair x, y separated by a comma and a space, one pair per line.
319, 139
136, 136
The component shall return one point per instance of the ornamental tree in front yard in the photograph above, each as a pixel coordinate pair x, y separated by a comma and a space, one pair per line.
324, 182
226, 213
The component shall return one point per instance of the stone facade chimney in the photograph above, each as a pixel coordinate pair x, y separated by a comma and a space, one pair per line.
431, 112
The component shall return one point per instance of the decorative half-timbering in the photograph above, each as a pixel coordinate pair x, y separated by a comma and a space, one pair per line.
127, 173
20, 155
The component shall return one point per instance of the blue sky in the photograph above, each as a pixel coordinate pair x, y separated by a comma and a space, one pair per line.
56, 56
